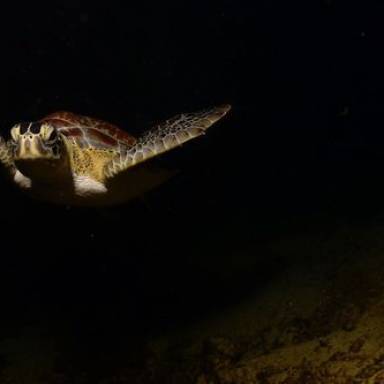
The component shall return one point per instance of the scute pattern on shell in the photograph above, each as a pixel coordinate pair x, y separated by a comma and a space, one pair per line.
89, 132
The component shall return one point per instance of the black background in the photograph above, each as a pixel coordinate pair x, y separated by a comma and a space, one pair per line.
304, 139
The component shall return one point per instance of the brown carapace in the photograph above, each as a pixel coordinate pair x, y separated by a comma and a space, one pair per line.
79, 160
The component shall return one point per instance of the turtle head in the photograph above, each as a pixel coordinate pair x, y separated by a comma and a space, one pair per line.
35, 141
39, 151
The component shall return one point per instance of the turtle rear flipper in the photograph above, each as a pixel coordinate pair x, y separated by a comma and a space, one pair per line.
164, 137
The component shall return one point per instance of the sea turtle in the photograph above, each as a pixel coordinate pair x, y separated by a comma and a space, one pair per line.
79, 160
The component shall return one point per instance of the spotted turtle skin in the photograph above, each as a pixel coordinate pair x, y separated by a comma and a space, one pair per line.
74, 159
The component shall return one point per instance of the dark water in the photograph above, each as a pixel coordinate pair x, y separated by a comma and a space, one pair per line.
301, 146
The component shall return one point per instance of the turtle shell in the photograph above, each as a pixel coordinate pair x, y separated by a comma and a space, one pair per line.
89, 132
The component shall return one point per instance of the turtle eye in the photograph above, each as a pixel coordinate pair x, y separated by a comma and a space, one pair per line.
35, 128
23, 126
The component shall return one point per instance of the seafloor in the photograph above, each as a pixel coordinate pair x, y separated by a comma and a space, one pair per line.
319, 319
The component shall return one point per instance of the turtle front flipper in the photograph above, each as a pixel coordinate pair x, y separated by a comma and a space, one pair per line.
6, 157
164, 137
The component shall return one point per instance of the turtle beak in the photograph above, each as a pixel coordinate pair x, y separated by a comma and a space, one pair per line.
29, 147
